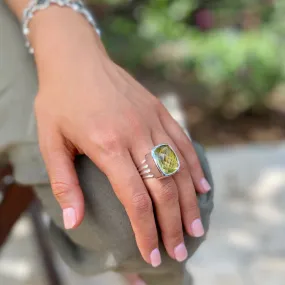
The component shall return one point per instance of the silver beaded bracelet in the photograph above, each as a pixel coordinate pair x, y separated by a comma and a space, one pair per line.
38, 5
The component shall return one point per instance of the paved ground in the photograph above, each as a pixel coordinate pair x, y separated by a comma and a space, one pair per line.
246, 242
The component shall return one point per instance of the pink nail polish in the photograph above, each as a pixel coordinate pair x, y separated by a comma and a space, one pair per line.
180, 252
69, 218
197, 228
155, 258
205, 185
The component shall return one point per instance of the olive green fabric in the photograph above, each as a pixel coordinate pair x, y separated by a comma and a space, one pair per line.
105, 240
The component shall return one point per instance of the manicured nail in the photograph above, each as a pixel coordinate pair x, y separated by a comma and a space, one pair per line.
197, 228
69, 218
205, 184
155, 258
180, 252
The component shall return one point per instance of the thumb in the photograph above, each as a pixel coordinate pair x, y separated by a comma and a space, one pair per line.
64, 182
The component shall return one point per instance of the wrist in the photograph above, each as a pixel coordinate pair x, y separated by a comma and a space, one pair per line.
59, 36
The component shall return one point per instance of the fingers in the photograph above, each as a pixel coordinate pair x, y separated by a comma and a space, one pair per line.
187, 195
131, 191
188, 201
164, 195
134, 196
187, 150
63, 179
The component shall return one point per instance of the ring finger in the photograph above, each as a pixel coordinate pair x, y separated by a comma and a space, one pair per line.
164, 194
187, 195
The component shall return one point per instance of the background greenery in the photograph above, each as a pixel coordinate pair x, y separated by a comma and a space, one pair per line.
234, 49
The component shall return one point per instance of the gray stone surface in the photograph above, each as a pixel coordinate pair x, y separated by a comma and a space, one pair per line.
246, 241
245, 245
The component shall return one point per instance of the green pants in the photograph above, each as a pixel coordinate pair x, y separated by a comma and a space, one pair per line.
105, 240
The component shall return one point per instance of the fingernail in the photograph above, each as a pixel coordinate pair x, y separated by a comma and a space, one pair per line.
180, 252
205, 184
155, 258
197, 228
69, 218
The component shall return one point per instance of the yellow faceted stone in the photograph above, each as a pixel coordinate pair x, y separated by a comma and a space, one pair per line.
166, 159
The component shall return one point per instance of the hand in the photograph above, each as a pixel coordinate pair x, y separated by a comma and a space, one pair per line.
89, 105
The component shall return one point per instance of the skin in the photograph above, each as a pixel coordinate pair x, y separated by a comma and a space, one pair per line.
87, 104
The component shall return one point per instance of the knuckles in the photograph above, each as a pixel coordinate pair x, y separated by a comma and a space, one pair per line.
141, 204
192, 209
60, 190
167, 194
156, 103
113, 141
110, 143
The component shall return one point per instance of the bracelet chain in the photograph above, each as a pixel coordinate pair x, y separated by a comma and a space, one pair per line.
38, 5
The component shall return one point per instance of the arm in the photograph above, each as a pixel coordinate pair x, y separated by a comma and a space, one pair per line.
86, 104
59, 29
17, 6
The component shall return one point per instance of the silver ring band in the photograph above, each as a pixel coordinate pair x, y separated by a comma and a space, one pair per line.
144, 170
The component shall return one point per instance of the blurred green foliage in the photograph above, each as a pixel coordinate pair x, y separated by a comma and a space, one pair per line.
233, 48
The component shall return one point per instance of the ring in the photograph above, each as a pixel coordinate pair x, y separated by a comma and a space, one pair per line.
161, 162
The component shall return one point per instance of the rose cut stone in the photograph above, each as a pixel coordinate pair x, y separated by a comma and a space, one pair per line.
166, 159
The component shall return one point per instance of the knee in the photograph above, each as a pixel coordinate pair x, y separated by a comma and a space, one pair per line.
106, 214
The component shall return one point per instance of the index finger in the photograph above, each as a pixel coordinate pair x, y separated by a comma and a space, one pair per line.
132, 193
63, 178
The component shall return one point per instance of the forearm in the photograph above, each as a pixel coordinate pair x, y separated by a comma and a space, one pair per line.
17, 6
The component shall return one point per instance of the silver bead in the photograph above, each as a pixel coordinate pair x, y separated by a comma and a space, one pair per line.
75, 6
98, 31
89, 16
29, 15
26, 31
42, 4
37, 5
26, 12
61, 3
31, 50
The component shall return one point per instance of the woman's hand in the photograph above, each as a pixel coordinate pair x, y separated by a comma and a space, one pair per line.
89, 105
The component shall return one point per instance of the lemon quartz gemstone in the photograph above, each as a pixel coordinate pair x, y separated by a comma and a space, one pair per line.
165, 159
